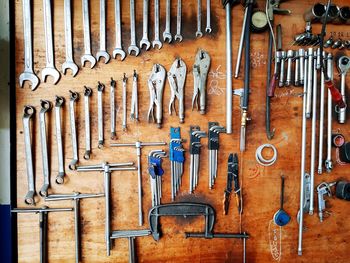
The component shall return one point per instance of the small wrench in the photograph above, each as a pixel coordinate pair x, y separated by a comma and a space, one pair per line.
100, 89
28, 73
74, 96
50, 69
112, 105
125, 79
208, 27
45, 107
69, 63
133, 46
118, 35
87, 95
28, 113
167, 33
199, 19
144, 40
178, 36
87, 45
343, 67
134, 112
102, 52
156, 41
58, 107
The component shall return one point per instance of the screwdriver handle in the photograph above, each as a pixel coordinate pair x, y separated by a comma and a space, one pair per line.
273, 83
336, 95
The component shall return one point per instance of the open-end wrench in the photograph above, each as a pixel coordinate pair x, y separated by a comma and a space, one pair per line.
208, 27
87, 95
74, 96
125, 79
28, 73
102, 52
144, 40
87, 45
50, 69
28, 113
45, 107
112, 107
58, 108
69, 63
133, 46
178, 36
156, 41
118, 50
100, 89
199, 19
343, 67
167, 34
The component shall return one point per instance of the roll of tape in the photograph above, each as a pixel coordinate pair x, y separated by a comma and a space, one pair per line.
261, 160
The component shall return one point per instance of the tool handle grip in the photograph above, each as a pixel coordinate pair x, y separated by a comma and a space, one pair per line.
273, 83
336, 95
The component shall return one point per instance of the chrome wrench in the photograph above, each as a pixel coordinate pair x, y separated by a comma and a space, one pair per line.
343, 67
321, 125
100, 89
144, 40
199, 19
167, 34
134, 112
102, 52
178, 36
133, 46
87, 45
58, 107
118, 35
50, 69
87, 95
125, 79
74, 96
329, 162
112, 105
208, 27
156, 41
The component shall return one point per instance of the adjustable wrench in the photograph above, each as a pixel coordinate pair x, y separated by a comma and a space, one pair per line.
144, 40
58, 106
28, 113
343, 67
45, 107
134, 112
112, 105
69, 63
50, 69
208, 27
178, 36
87, 95
125, 79
133, 46
74, 96
199, 19
102, 52
87, 45
100, 89
156, 41
28, 73
118, 34
167, 33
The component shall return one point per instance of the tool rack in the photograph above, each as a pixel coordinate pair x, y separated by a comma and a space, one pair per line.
326, 242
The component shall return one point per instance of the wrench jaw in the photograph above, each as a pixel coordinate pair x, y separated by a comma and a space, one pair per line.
199, 34
167, 37
88, 58
157, 43
178, 38
51, 72
119, 51
208, 30
133, 49
70, 65
31, 77
145, 42
103, 54
29, 198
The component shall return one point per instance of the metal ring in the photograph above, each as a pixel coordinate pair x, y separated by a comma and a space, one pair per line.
261, 160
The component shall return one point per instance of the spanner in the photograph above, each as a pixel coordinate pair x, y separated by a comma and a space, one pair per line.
100, 89
28, 113
208, 27
49, 69
156, 41
58, 108
118, 33
125, 79
102, 52
167, 33
112, 106
69, 63
134, 112
178, 36
199, 19
45, 107
28, 73
133, 46
329, 162
343, 67
87, 95
144, 40
87, 45
74, 96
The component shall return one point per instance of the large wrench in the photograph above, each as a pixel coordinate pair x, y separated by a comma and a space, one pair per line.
45, 107
156, 41
100, 89
167, 33
102, 52
118, 35
144, 40
69, 63
343, 67
208, 27
28, 73
199, 19
178, 36
112, 105
87, 45
74, 96
50, 69
58, 106
133, 46
87, 95
28, 113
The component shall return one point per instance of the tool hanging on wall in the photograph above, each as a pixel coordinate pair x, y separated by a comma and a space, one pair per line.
329, 162
118, 50
59, 102
232, 175
134, 111
178, 36
323, 189
167, 34
87, 55
74, 96
87, 95
343, 68
144, 40
281, 218
321, 123
102, 53
112, 108
100, 89
125, 79
156, 171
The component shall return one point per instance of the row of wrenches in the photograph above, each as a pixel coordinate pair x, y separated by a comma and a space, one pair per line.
50, 68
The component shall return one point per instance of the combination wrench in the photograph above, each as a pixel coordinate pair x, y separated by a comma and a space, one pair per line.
167, 34
199, 19
100, 89
102, 52
58, 108
87, 95
87, 45
178, 36
156, 41
208, 27
74, 96
343, 67
118, 50
28, 73
133, 46
45, 107
144, 40
28, 113
112, 105
50, 69
125, 79
69, 63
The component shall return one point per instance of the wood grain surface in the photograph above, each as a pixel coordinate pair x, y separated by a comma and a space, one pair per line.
323, 242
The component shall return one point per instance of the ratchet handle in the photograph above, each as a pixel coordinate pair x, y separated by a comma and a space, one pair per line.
336, 95
272, 88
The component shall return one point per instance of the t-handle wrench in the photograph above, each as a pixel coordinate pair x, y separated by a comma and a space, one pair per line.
178, 36
343, 67
167, 34
28, 73
144, 40
156, 41
118, 35
50, 69
102, 52
87, 45
133, 46
69, 63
